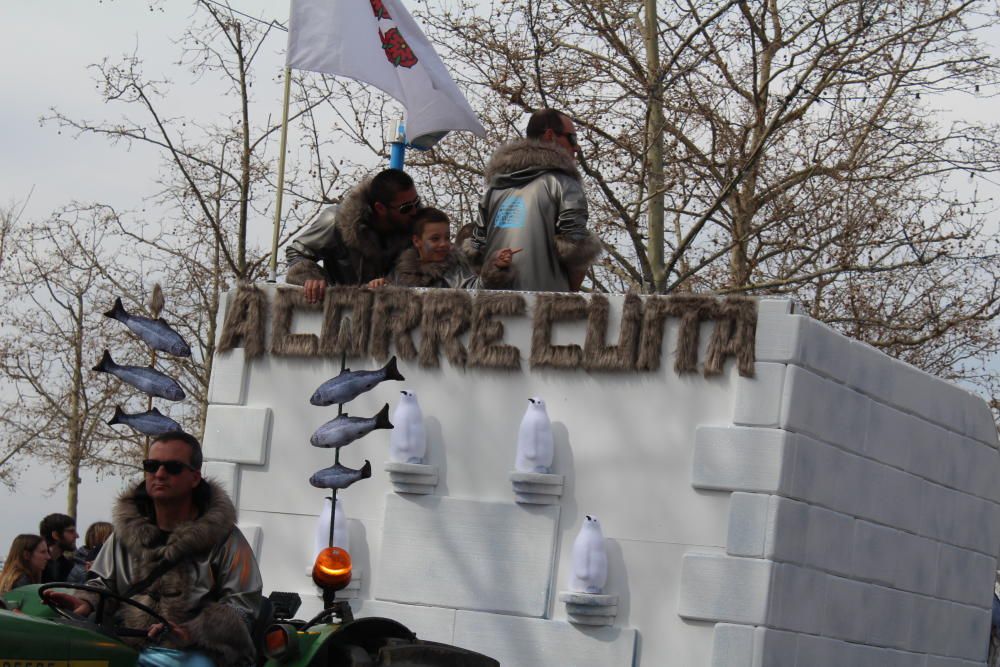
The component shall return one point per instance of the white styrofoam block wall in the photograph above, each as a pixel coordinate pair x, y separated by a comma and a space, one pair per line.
824, 409
875, 553
783, 337
747, 524
253, 533
732, 645
758, 398
531, 642
828, 540
467, 554
888, 615
970, 630
765, 526
834, 433
742, 459
226, 475
237, 434
798, 598
748, 646
229, 373
916, 564
844, 616
716, 587
965, 576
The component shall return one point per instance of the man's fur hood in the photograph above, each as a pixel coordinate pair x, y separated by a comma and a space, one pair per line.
353, 219
522, 159
135, 524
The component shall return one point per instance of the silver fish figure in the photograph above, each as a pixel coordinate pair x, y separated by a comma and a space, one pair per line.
150, 422
155, 333
339, 477
350, 384
144, 378
344, 430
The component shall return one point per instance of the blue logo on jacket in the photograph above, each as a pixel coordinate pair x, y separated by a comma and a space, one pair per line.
510, 214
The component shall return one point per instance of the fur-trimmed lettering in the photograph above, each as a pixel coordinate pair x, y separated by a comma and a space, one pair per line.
359, 321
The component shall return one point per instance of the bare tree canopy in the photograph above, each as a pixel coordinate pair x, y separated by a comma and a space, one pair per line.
803, 151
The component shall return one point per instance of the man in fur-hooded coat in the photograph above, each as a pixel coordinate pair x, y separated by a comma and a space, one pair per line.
535, 201
214, 590
360, 239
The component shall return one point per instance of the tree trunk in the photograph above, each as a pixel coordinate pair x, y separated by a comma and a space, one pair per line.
76, 420
654, 149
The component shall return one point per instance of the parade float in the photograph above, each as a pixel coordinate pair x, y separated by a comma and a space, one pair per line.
767, 491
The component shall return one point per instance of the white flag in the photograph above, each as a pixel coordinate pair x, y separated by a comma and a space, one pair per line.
378, 42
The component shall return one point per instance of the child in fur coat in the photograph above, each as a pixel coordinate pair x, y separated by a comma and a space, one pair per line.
434, 262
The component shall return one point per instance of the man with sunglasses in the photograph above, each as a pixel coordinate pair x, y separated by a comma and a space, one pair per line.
535, 200
176, 548
357, 241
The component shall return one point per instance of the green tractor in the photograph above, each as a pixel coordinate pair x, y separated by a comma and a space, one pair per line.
35, 634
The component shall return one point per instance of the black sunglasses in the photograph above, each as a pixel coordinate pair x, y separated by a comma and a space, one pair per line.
571, 136
173, 467
409, 206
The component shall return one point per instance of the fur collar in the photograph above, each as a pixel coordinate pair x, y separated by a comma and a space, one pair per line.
534, 154
353, 218
135, 525
411, 272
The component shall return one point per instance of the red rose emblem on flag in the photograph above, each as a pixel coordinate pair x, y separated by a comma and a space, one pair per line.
380, 10
397, 51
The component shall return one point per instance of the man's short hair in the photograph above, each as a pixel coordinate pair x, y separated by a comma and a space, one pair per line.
187, 438
55, 523
386, 184
428, 216
545, 119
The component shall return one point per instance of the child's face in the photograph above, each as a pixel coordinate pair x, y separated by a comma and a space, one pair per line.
433, 245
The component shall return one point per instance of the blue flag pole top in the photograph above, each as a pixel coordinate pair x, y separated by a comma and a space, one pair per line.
397, 154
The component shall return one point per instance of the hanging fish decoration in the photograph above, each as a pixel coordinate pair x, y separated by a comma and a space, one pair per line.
155, 333
350, 384
339, 477
344, 430
144, 378
151, 422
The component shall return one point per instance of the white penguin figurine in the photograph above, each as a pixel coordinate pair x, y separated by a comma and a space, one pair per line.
590, 559
407, 440
341, 533
534, 439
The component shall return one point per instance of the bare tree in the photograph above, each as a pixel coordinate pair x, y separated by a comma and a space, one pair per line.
802, 151
53, 293
217, 175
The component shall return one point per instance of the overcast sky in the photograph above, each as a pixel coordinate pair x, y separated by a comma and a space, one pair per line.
46, 47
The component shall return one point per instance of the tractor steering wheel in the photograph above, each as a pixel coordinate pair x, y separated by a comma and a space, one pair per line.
99, 611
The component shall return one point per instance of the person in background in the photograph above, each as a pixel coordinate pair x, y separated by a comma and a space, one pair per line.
535, 200
95, 537
434, 262
357, 241
59, 531
28, 556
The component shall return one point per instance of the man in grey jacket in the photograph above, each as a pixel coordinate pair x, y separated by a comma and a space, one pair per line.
211, 591
357, 241
535, 201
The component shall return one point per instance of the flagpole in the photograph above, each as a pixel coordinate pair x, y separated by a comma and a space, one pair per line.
397, 152
281, 176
